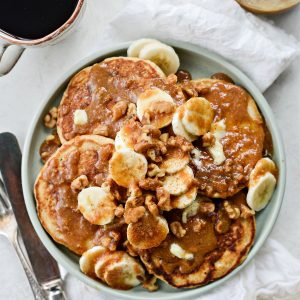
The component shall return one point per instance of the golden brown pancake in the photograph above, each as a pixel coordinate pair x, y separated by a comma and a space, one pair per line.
98, 88
57, 201
218, 244
242, 144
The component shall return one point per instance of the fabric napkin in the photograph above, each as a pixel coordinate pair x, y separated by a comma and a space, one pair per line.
262, 51
257, 47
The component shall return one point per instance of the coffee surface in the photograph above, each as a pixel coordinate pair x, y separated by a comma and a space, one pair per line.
34, 19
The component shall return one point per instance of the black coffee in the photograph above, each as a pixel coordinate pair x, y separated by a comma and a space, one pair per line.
33, 19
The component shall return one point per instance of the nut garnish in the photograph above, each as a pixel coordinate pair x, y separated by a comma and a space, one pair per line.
119, 110
119, 212
207, 206
51, 118
151, 205
150, 284
246, 212
177, 229
79, 183
164, 200
155, 171
232, 210
150, 184
101, 130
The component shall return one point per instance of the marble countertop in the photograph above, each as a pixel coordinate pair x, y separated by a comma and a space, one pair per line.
23, 89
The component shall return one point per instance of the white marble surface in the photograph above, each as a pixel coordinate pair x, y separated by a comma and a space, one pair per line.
25, 87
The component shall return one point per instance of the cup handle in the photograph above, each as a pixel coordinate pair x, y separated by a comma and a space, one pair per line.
10, 56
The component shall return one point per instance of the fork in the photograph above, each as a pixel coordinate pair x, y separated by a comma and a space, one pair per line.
8, 228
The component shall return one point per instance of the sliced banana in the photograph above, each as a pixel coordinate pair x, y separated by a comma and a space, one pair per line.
253, 111
97, 205
218, 130
127, 167
136, 47
148, 232
185, 199
80, 117
162, 55
119, 270
155, 106
198, 116
179, 183
260, 193
263, 166
88, 259
178, 127
175, 161
179, 252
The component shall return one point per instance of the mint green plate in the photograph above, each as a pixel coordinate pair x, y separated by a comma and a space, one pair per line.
201, 63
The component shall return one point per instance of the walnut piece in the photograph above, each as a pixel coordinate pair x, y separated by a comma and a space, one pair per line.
133, 214
207, 206
164, 199
171, 79
246, 212
150, 284
150, 184
51, 118
198, 224
154, 155
155, 171
130, 248
177, 229
151, 205
119, 211
208, 139
164, 137
119, 110
111, 241
182, 143
101, 130
131, 110
79, 183
232, 210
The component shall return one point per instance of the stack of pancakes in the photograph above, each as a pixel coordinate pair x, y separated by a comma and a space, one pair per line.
206, 229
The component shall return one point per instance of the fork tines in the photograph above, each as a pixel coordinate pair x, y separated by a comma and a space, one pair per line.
4, 201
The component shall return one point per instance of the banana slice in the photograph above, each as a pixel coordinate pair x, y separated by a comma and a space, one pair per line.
119, 270
178, 127
127, 167
263, 166
253, 111
218, 130
198, 116
190, 211
88, 259
136, 47
186, 199
260, 193
148, 232
179, 252
155, 106
175, 160
179, 183
162, 55
97, 205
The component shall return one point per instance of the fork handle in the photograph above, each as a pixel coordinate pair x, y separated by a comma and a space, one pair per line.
35, 287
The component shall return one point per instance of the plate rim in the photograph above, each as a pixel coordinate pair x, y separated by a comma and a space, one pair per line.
66, 261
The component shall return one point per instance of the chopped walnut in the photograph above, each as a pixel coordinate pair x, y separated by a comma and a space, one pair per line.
164, 137
228, 165
232, 210
79, 183
142, 146
119, 110
208, 139
135, 191
132, 215
151, 205
190, 91
111, 242
154, 155
150, 284
155, 171
177, 229
198, 224
171, 79
119, 211
146, 118
101, 130
164, 200
150, 184
182, 143
51, 118
131, 110
207, 206
130, 249
220, 226
246, 212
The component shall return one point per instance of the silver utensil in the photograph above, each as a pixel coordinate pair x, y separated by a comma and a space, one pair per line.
9, 56
8, 228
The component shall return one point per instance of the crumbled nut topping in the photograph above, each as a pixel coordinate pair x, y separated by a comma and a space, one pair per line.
171, 79
130, 248
119, 110
164, 137
119, 211
232, 210
150, 284
132, 215
198, 224
151, 205
155, 171
208, 139
154, 155
207, 206
182, 143
177, 229
111, 241
164, 199
101, 130
131, 110
246, 212
51, 118
150, 184
79, 183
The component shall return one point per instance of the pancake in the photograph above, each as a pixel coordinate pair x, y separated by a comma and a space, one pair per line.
242, 142
210, 254
104, 92
57, 201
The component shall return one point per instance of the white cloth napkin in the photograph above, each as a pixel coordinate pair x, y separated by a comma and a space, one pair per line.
262, 51
258, 48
